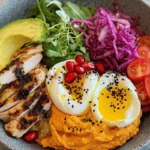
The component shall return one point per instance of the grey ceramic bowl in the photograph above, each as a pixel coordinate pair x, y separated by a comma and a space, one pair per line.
16, 9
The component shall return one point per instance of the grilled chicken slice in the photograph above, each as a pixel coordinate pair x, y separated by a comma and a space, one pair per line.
17, 128
27, 50
19, 67
23, 92
22, 108
15, 86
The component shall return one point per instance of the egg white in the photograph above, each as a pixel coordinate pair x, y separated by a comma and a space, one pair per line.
134, 109
56, 90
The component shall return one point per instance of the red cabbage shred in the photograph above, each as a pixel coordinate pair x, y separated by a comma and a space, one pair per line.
110, 37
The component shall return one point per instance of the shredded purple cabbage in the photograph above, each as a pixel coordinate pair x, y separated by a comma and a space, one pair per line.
110, 37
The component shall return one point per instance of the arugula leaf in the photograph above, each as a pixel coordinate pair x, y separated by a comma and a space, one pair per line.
74, 11
77, 12
52, 53
63, 15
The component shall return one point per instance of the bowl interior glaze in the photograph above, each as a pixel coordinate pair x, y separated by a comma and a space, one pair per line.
16, 9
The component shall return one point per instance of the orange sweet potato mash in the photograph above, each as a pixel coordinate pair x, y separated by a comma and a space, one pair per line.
84, 133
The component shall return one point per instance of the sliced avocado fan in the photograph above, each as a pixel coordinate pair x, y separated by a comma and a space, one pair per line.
14, 35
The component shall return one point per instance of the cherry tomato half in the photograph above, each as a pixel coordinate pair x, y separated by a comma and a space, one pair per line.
144, 40
147, 85
146, 109
138, 69
144, 52
143, 96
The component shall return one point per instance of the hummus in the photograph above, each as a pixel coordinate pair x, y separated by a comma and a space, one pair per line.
84, 133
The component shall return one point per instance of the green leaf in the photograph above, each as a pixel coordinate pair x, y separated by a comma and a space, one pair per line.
87, 58
53, 60
72, 55
64, 52
55, 2
74, 11
52, 53
54, 42
63, 16
92, 10
73, 47
86, 11
82, 49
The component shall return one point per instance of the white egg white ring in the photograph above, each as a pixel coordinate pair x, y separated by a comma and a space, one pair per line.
56, 89
134, 109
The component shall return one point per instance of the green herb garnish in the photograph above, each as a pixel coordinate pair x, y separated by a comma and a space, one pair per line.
63, 40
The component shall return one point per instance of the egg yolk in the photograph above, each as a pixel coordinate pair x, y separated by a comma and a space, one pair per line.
114, 102
75, 89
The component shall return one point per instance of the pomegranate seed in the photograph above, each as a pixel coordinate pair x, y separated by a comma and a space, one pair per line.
80, 59
88, 66
99, 68
79, 69
70, 66
70, 77
30, 136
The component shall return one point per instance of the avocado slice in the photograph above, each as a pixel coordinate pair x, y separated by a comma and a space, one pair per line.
16, 34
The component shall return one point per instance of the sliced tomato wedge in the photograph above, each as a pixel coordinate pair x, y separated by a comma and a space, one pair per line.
144, 52
138, 69
142, 94
144, 40
147, 85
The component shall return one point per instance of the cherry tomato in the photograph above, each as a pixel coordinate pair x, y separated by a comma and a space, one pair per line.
144, 40
70, 77
147, 85
143, 96
80, 59
99, 67
144, 52
146, 109
138, 69
30, 136
137, 84
70, 66
88, 66
79, 69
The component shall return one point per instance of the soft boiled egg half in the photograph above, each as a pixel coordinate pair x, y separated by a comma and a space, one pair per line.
71, 98
115, 100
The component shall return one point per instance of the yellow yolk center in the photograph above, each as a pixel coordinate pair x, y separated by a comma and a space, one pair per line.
75, 89
114, 102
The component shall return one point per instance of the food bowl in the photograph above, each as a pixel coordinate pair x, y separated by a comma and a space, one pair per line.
14, 9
